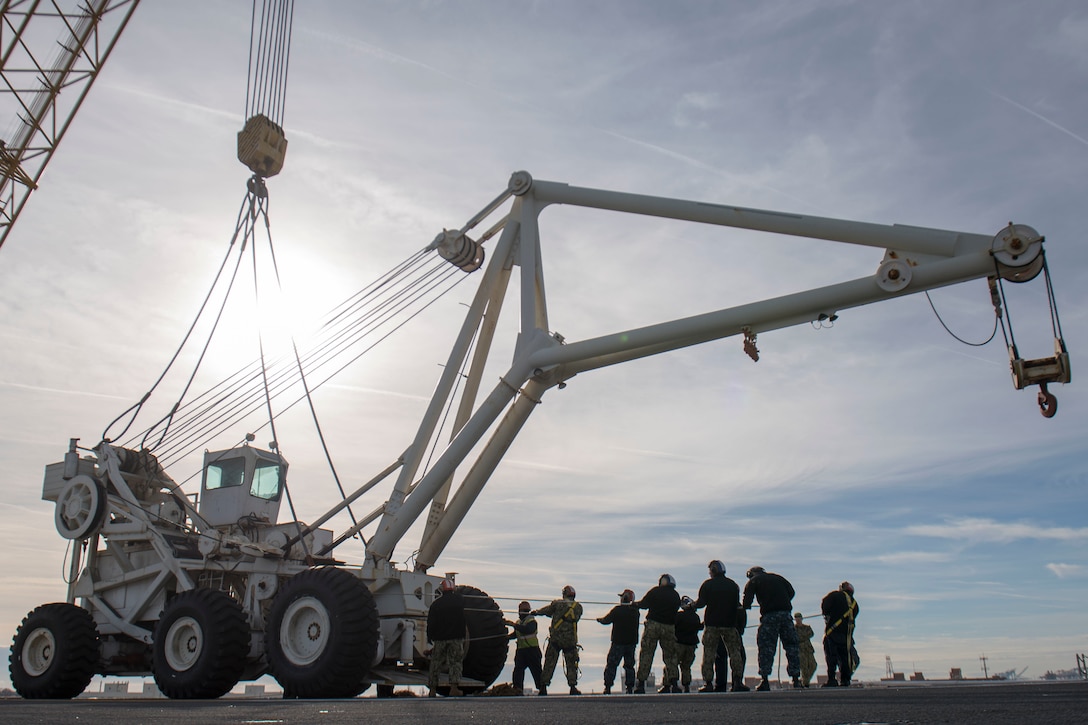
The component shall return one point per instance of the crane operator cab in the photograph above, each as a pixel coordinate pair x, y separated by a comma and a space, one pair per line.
242, 485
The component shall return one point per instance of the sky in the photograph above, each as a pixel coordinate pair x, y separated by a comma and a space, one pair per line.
880, 450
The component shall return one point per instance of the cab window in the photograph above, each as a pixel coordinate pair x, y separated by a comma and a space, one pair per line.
266, 480
225, 473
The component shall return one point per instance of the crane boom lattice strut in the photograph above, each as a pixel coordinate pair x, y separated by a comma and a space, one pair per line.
42, 88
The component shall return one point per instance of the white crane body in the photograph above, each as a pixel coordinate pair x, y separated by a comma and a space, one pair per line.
202, 595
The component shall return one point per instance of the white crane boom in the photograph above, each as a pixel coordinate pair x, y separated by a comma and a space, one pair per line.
916, 259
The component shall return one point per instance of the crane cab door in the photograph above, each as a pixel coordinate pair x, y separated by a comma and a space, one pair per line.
242, 485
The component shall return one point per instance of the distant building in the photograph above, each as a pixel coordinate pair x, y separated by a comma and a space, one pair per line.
115, 689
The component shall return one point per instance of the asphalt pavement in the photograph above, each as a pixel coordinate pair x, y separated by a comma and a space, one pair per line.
989, 703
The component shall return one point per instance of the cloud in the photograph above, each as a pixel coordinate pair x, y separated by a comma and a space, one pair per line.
914, 557
42, 389
981, 531
693, 106
1068, 571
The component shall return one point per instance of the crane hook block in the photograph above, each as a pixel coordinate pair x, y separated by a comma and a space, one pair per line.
262, 146
1043, 370
459, 250
1048, 404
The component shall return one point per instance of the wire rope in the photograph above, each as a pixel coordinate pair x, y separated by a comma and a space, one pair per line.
226, 424
235, 397
993, 333
135, 409
269, 59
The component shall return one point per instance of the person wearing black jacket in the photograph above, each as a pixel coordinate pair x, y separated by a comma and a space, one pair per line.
840, 610
624, 621
662, 603
775, 596
721, 597
687, 639
446, 630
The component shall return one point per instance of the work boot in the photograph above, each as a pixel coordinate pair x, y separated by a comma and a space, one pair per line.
845, 682
608, 689
630, 689
797, 684
640, 688
455, 691
543, 690
831, 682
574, 690
764, 685
687, 688
707, 688
739, 686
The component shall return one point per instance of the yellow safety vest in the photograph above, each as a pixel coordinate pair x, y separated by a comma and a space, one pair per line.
527, 640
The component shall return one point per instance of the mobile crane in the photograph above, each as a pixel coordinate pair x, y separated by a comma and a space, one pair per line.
204, 595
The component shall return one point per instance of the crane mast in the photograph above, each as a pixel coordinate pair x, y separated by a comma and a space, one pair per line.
50, 55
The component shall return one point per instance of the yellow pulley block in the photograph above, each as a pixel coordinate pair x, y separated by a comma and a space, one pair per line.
262, 146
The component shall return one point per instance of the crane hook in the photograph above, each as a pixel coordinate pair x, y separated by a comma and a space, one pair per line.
1048, 404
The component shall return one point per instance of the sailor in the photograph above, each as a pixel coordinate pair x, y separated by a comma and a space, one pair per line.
527, 653
775, 596
661, 603
446, 632
804, 645
840, 610
687, 639
562, 637
624, 621
721, 597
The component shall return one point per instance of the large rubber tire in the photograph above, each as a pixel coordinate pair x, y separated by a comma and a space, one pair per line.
55, 652
322, 634
488, 643
200, 646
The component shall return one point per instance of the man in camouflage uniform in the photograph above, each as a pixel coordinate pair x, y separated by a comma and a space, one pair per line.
724, 622
804, 645
662, 603
687, 639
562, 637
446, 631
775, 596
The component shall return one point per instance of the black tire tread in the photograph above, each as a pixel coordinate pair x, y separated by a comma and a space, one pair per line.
75, 660
342, 670
488, 644
226, 637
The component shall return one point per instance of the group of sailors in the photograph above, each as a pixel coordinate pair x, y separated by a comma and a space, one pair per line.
673, 625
